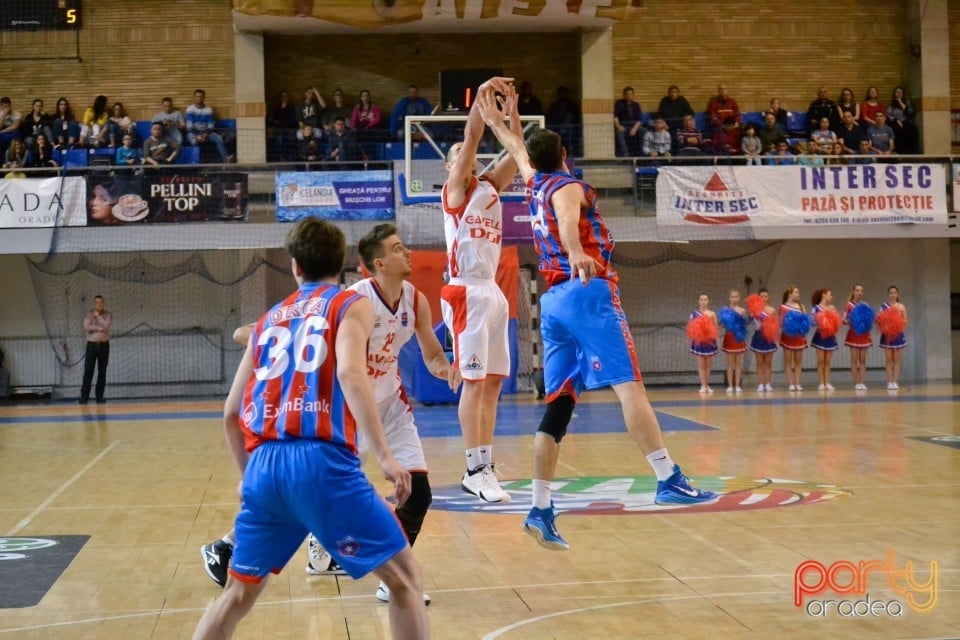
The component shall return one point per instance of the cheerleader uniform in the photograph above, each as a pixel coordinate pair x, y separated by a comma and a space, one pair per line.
702, 348
759, 344
818, 341
791, 343
854, 339
731, 344
898, 342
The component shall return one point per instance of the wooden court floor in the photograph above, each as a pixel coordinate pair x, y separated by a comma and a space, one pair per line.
830, 481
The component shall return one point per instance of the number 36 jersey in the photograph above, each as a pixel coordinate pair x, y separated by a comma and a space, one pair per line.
294, 392
392, 328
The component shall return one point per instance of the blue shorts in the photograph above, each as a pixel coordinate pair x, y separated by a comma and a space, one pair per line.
295, 487
587, 342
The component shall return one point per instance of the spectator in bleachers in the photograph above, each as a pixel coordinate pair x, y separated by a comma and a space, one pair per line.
865, 153
338, 109
172, 121
824, 137
35, 123
66, 130
846, 103
726, 139
412, 104
126, 153
9, 123
282, 129
837, 156
822, 107
628, 124
770, 133
870, 107
341, 143
721, 107
658, 142
120, 125
16, 154
674, 108
564, 118
93, 130
309, 147
779, 113
528, 104
850, 134
366, 118
900, 118
311, 114
806, 154
780, 155
41, 153
881, 135
689, 138
750, 144
200, 126
160, 147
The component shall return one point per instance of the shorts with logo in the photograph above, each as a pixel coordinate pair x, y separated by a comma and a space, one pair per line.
587, 343
403, 439
476, 313
296, 487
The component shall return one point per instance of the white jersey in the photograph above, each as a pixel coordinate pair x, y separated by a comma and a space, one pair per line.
392, 328
474, 231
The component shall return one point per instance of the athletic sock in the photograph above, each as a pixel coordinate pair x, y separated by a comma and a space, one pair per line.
541, 494
661, 463
474, 460
486, 453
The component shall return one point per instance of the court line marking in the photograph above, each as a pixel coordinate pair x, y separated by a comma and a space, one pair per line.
59, 490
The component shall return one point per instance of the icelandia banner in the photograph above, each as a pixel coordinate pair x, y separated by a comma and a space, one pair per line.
335, 195
956, 188
857, 194
42, 202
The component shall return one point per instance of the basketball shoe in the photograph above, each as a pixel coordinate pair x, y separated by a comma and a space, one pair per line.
542, 525
216, 560
677, 490
383, 594
319, 562
482, 482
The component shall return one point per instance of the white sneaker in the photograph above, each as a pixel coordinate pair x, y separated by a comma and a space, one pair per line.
709, 390
830, 387
821, 387
792, 387
738, 389
768, 387
760, 388
895, 385
799, 388
383, 595
319, 562
484, 485
703, 389
729, 389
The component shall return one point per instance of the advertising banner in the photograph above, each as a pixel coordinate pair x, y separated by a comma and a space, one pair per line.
956, 188
42, 202
166, 196
856, 194
335, 195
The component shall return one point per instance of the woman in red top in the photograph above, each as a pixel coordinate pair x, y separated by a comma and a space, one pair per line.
870, 107
366, 115
793, 346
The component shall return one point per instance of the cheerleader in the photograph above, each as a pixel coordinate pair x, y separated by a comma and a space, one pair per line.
793, 338
892, 320
858, 341
734, 320
762, 343
703, 331
827, 319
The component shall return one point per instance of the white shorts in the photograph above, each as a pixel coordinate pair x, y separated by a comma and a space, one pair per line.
476, 314
403, 440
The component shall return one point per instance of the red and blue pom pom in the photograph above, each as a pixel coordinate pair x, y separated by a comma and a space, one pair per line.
733, 322
702, 329
755, 305
861, 318
828, 322
769, 328
891, 322
796, 323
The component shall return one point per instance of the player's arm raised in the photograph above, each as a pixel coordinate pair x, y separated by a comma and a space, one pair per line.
511, 141
502, 174
232, 408
430, 347
352, 337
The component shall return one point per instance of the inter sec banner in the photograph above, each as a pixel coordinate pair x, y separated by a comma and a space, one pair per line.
857, 194
335, 195
956, 188
42, 202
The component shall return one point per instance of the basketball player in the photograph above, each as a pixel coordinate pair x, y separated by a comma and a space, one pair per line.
474, 308
400, 311
586, 336
290, 419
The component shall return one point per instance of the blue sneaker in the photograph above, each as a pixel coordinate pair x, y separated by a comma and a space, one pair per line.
542, 525
677, 490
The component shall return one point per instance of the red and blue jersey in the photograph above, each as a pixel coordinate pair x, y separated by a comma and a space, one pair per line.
294, 392
594, 235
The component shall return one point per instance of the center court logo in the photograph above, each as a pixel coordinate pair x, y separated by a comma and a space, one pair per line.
634, 495
813, 578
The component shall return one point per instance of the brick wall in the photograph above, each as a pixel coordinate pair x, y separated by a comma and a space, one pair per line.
134, 52
953, 13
